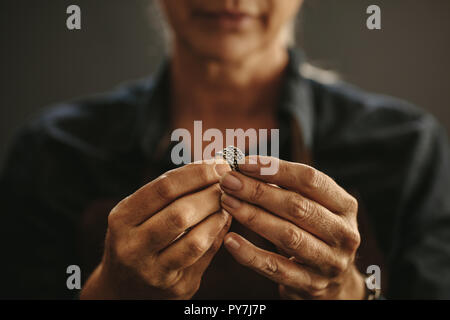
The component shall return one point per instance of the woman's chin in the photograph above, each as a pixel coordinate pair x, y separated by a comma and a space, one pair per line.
227, 50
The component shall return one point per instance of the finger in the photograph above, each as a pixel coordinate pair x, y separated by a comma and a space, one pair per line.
297, 293
199, 267
303, 212
190, 248
303, 179
192, 276
271, 265
293, 240
157, 194
288, 293
164, 227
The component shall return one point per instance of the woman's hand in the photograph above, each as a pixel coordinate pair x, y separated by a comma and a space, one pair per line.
143, 257
308, 217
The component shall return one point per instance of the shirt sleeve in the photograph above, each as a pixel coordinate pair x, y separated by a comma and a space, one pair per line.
419, 259
38, 240
58, 166
394, 157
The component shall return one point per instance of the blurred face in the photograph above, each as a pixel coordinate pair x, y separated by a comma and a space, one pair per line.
229, 29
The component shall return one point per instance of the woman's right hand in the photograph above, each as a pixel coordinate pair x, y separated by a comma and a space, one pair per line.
143, 257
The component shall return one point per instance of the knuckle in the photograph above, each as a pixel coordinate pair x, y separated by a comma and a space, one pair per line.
313, 179
153, 281
301, 209
292, 239
114, 217
166, 280
316, 291
289, 175
178, 221
216, 189
270, 265
316, 287
257, 192
251, 261
251, 217
164, 188
180, 289
337, 267
124, 253
352, 205
196, 248
202, 171
353, 240
185, 287
350, 239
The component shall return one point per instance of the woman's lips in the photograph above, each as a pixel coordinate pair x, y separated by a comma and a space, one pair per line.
227, 20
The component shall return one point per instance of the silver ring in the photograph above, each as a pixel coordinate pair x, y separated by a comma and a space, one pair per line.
232, 155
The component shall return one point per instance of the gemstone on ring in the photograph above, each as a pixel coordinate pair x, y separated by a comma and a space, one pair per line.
232, 155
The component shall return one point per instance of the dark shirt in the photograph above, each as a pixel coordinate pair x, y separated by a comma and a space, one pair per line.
80, 158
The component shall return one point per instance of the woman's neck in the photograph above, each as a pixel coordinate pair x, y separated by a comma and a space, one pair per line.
213, 90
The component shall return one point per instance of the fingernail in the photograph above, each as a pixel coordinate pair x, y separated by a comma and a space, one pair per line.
230, 201
222, 168
231, 243
231, 182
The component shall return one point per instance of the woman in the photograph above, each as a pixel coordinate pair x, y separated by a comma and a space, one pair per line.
293, 234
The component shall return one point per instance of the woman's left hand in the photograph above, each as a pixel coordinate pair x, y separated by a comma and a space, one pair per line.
308, 217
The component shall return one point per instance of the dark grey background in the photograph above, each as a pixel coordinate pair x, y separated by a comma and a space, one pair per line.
43, 63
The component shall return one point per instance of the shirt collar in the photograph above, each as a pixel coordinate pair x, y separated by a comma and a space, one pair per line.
296, 97
295, 102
